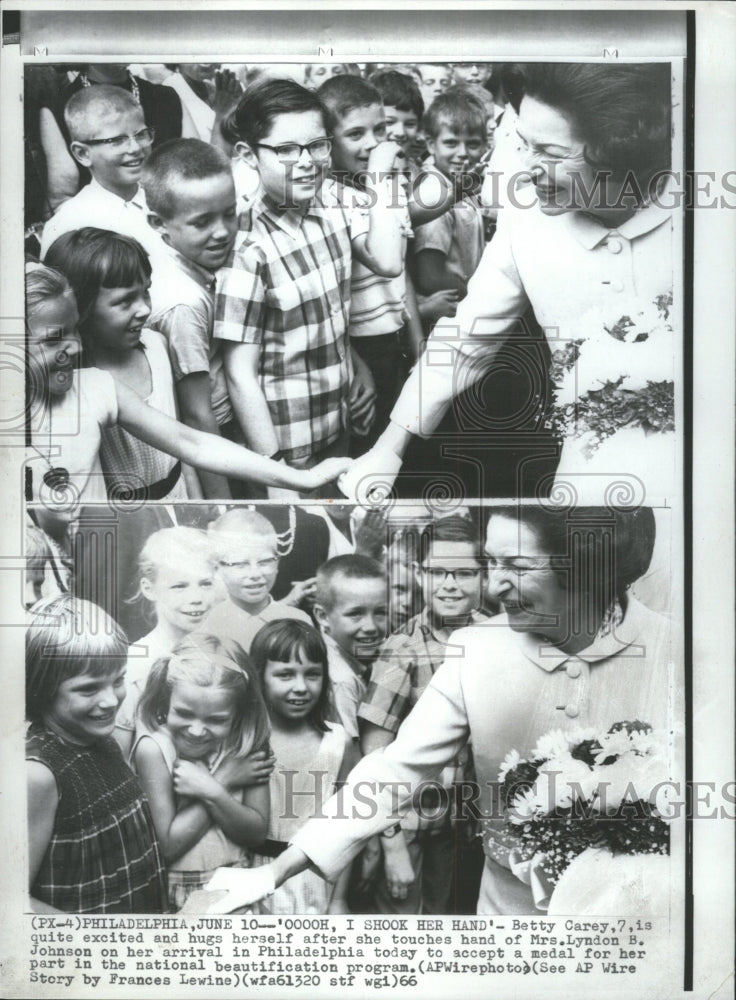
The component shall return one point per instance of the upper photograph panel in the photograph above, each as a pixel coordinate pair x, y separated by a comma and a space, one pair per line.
264, 280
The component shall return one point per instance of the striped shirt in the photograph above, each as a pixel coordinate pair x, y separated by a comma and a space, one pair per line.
377, 303
286, 287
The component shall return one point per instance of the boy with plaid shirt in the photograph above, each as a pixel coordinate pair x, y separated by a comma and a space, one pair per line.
283, 297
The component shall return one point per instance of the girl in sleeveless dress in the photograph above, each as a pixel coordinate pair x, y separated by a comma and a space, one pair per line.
92, 843
312, 755
202, 713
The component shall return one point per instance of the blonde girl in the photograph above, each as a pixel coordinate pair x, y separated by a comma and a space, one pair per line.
203, 714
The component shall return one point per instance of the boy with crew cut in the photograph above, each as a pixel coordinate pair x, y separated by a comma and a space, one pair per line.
417, 853
448, 249
383, 327
244, 549
352, 611
109, 136
282, 305
191, 199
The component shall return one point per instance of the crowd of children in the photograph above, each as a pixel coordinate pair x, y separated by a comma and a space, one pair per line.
208, 740
270, 284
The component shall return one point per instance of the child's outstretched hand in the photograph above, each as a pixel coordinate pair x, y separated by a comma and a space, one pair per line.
326, 472
191, 778
238, 772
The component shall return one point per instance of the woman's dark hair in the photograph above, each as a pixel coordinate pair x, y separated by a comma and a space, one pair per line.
621, 112
596, 549
288, 639
92, 259
262, 102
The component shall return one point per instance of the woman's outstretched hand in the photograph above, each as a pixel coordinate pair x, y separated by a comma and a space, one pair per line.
231, 889
371, 477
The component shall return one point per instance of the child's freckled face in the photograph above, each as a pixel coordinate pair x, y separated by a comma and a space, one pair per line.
182, 593
248, 567
53, 345
455, 152
205, 223
85, 707
118, 316
356, 136
292, 688
401, 127
199, 719
117, 170
358, 618
291, 184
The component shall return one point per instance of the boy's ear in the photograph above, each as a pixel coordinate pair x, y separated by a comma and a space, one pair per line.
80, 152
321, 615
159, 225
246, 153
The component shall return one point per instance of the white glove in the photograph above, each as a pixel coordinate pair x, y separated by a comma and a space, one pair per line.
241, 887
371, 477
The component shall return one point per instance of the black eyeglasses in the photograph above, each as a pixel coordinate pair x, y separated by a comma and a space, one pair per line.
438, 574
289, 152
144, 138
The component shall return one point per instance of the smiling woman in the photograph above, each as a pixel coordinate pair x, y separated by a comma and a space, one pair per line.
573, 649
586, 242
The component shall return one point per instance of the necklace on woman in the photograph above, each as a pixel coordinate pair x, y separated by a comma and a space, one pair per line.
134, 88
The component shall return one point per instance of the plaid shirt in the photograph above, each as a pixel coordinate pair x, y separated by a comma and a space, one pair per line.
405, 667
287, 288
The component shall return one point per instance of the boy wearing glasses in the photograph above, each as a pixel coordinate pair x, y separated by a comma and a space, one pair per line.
245, 551
283, 298
109, 136
417, 854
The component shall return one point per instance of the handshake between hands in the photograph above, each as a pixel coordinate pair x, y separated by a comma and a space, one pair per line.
370, 478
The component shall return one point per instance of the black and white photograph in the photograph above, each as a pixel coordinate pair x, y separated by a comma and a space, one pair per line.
369, 525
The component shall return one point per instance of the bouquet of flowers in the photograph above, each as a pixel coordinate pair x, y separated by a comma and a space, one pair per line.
611, 376
581, 790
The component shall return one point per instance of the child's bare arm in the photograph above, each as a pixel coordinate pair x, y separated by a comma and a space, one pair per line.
124, 739
43, 799
178, 827
244, 822
217, 454
433, 194
381, 248
195, 409
246, 394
